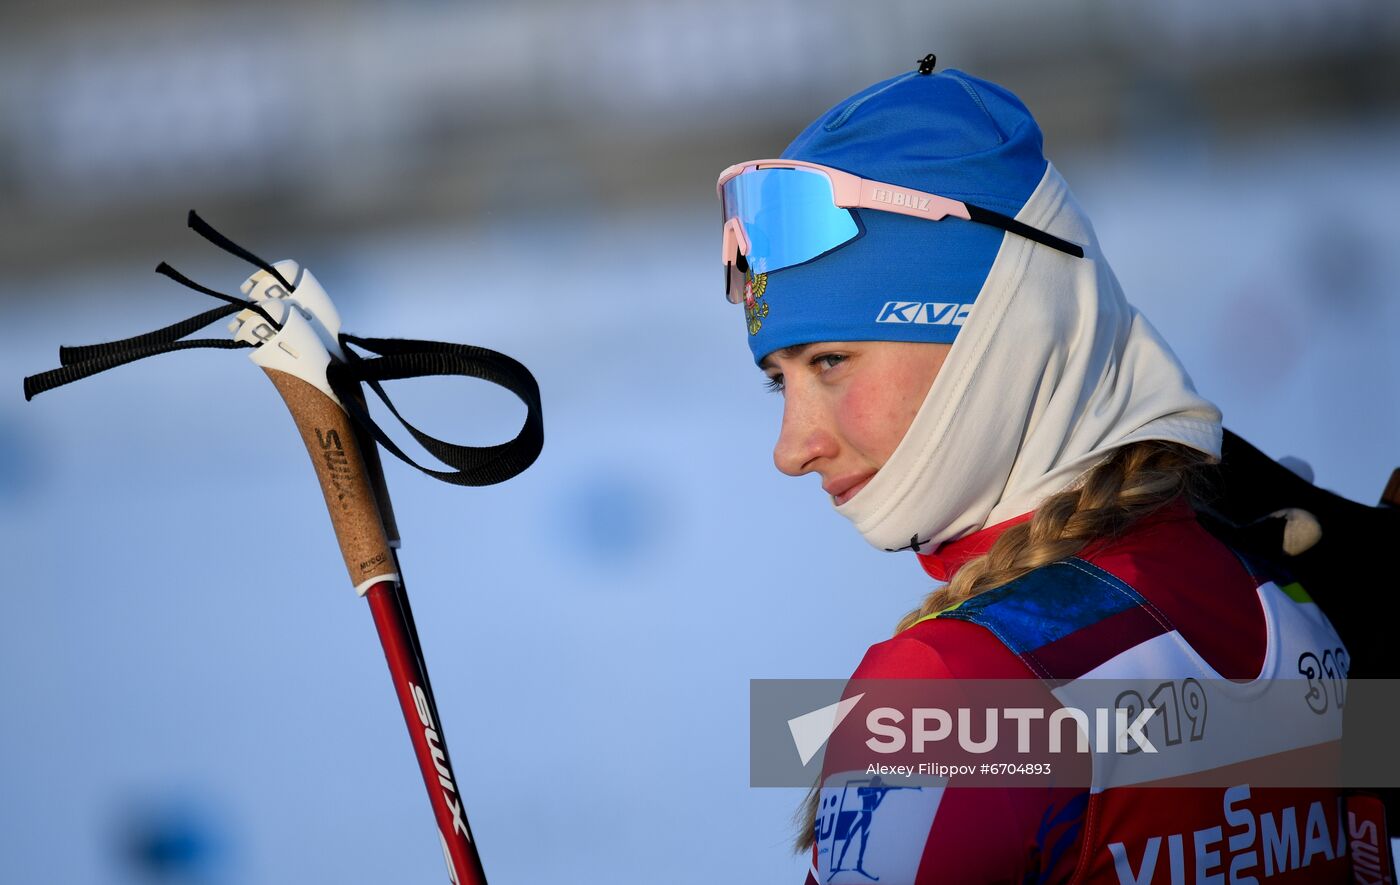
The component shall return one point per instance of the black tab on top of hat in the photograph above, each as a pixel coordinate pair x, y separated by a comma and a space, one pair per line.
926, 64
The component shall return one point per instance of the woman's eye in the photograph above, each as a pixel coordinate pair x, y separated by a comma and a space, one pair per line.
829, 360
774, 384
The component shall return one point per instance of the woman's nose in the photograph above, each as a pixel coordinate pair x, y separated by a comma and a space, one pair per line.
803, 438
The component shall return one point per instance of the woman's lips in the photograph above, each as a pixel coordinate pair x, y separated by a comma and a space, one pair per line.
850, 492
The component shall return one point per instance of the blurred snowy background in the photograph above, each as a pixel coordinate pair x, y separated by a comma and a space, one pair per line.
191, 692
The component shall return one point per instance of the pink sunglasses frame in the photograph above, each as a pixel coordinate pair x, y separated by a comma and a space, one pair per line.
850, 191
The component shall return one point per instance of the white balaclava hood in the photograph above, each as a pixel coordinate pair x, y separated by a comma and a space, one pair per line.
1052, 370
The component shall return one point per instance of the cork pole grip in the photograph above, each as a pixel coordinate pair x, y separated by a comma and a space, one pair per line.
340, 467
369, 450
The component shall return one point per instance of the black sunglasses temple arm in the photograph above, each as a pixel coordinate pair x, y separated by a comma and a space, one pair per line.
1006, 223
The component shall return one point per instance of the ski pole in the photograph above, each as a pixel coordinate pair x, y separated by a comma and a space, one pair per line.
290, 356
293, 329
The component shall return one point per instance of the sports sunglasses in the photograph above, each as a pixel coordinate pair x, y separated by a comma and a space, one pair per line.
781, 213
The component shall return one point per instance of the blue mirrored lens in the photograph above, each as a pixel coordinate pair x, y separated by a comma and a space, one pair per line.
790, 216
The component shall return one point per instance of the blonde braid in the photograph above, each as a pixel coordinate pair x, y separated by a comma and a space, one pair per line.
1134, 481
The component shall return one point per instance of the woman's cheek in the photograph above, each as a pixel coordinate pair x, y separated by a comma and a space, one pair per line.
871, 420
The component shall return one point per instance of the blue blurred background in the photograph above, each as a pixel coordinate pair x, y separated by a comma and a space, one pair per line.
189, 690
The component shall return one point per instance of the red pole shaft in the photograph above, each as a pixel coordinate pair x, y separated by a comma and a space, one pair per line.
415, 698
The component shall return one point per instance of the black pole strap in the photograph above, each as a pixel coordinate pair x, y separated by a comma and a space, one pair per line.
68, 356
396, 359
86, 360
206, 230
37, 384
166, 270
402, 358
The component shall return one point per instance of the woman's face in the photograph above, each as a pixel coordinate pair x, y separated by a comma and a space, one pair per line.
846, 406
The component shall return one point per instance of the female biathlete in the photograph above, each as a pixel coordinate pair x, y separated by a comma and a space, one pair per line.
959, 364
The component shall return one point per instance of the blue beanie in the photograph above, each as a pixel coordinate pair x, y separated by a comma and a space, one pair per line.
904, 278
